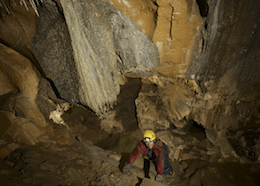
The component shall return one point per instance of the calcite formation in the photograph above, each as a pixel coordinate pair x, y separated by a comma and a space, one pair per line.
93, 53
105, 43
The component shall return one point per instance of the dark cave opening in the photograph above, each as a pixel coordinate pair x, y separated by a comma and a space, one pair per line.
198, 131
204, 7
126, 108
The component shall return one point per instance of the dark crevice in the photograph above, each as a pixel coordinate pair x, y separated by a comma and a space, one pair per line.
155, 12
171, 22
155, 3
206, 25
203, 43
204, 7
140, 180
198, 131
1, 17
54, 88
199, 126
60, 9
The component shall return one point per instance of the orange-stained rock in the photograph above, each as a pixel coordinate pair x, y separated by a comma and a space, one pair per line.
177, 26
142, 12
172, 25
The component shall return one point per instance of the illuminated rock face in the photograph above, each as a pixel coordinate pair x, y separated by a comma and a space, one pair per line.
178, 25
142, 12
94, 55
221, 88
104, 43
228, 65
173, 26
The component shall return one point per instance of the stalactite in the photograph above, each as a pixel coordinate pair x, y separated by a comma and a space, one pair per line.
22, 2
14, 3
34, 7
33, 3
6, 7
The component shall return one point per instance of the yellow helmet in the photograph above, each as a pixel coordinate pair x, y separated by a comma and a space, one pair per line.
149, 134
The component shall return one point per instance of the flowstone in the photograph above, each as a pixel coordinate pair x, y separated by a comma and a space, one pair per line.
96, 44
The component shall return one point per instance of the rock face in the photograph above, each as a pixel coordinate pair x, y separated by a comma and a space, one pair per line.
19, 94
226, 70
94, 55
221, 92
105, 42
229, 52
164, 103
173, 25
142, 12
203, 101
178, 25
17, 27
52, 49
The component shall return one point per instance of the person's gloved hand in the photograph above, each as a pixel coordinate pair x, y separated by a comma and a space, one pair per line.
159, 178
127, 168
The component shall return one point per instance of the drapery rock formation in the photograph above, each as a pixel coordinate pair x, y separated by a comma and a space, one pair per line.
202, 100
105, 43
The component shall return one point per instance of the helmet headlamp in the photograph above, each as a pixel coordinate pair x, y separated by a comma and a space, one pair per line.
147, 139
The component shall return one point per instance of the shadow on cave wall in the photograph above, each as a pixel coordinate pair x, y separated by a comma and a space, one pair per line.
126, 108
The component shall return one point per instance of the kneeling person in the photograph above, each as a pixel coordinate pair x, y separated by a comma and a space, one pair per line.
156, 151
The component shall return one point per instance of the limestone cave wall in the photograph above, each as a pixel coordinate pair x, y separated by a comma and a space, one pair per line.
104, 42
189, 70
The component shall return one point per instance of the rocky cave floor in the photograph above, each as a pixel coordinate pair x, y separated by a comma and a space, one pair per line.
77, 160
84, 154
